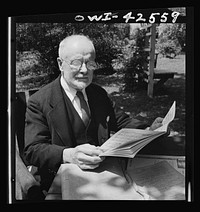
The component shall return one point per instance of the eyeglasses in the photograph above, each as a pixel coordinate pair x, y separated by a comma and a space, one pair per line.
77, 64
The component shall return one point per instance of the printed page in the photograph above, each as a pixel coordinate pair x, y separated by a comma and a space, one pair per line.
127, 137
130, 150
124, 136
168, 118
115, 141
127, 141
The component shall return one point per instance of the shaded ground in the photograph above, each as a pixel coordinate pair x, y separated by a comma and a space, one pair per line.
139, 105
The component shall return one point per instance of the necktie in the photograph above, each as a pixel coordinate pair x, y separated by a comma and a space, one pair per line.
84, 108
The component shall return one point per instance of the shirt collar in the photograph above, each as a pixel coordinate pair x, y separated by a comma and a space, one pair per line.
71, 92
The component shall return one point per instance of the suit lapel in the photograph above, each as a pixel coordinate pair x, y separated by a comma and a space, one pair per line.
59, 116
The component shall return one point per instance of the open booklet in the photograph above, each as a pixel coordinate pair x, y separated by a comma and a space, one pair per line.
127, 142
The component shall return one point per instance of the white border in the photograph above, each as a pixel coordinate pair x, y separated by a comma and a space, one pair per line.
9, 113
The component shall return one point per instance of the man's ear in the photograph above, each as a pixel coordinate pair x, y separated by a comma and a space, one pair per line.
59, 63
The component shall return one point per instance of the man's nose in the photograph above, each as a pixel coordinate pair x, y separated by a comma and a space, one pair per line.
83, 68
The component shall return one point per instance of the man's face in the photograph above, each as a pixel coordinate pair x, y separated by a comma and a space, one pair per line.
77, 51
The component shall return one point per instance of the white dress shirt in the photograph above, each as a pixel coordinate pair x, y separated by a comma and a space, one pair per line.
71, 93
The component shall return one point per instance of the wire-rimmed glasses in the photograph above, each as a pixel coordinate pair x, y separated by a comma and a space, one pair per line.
77, 64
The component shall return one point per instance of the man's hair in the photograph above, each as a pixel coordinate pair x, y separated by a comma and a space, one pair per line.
68, 38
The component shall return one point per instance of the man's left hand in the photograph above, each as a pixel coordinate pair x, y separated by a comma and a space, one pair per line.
156, 124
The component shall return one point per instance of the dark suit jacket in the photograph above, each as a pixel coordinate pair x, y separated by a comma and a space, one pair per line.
49, 127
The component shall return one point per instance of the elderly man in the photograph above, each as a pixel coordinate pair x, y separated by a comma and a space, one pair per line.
68, 119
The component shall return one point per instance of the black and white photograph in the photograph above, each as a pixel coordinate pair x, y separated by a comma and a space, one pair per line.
99, 106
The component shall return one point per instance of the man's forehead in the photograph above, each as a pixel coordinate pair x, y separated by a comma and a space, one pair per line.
76, 46
77, 56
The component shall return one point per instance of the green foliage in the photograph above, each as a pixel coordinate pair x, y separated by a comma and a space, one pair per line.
171, 40
106, 41
135, 60
27, 63
44, 38
112, 45
169, 48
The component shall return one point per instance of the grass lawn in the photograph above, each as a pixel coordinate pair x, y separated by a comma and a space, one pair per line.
136, 104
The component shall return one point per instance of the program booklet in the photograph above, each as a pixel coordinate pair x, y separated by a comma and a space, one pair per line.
127, 142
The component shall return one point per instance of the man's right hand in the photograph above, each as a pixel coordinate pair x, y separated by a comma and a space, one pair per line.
86, 156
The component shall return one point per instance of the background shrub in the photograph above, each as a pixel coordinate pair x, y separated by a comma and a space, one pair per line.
171, 39
135, 59
44, 38
115, 47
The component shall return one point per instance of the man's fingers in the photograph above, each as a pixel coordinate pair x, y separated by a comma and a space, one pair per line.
158, 125
88, 166
158, 120
89, 149
86, 159
86, 156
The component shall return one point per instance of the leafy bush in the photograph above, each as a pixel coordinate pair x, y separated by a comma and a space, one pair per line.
135, 60
171, 39
169, 48
45, 38
27, 63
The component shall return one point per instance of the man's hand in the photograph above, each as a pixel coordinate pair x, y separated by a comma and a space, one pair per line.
86, 156
156, 124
